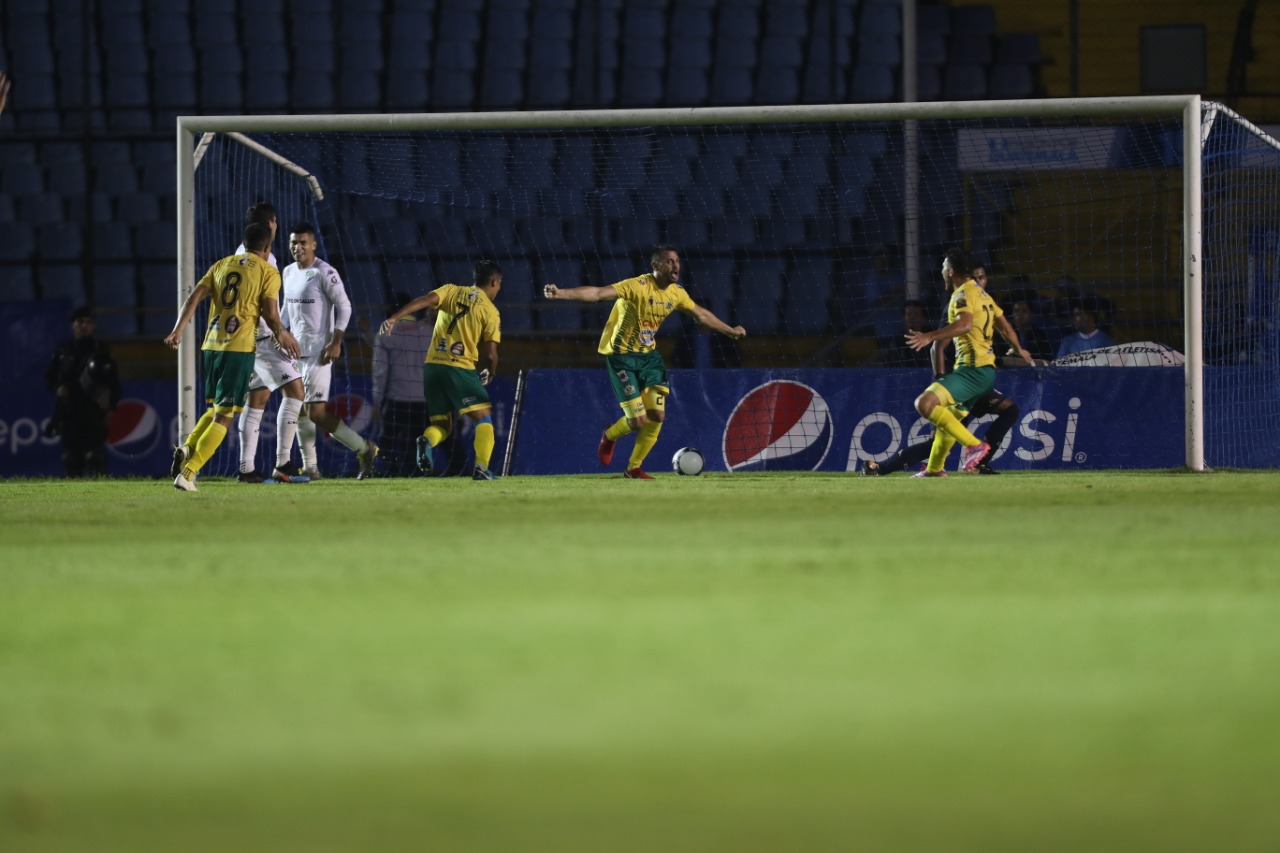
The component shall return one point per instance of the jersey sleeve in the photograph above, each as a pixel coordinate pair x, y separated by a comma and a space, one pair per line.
492, 328
444, 293
337, 293
626, 288
210, 278
684, 302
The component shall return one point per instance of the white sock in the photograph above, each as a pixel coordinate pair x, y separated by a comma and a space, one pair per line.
349, 438
307, 441
286, 429
250, 427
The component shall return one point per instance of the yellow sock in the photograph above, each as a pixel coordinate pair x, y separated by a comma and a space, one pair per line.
942, 444
645, 440
206, 446
618, 429
435, 435
201, 426
484, 444
942, 418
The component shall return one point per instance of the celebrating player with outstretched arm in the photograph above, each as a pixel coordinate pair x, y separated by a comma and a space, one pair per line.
468, 327
636, 370
317, 311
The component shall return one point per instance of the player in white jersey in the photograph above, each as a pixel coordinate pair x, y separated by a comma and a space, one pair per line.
317, 311
272, 371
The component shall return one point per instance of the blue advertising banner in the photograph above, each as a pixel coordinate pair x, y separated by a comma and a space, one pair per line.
830, 419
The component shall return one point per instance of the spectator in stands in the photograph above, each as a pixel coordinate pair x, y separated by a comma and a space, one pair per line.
272, 371
5, 84
631, 357
83, 377
897, 353
244, 287
1085, 317
1030, 332
398, 401
467, 328
317, 311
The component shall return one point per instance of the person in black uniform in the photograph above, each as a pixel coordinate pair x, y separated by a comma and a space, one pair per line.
83, 377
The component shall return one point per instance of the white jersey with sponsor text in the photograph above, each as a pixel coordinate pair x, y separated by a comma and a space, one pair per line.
264, 331
315, 305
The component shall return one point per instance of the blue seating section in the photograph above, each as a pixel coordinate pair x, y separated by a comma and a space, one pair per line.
91, 216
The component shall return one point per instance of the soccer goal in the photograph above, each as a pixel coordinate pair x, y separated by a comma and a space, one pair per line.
810, 226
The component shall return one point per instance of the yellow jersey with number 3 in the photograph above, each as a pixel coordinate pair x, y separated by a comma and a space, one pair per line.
975, 348
639, 311
236, 286
466, 318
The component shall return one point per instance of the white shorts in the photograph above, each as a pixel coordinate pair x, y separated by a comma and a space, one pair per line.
271, 368
315, 379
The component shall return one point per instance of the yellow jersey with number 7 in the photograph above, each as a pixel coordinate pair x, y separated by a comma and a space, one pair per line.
975, 348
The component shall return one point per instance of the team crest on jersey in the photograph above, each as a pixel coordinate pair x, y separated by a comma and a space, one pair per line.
472, 295
245, 262
458, 348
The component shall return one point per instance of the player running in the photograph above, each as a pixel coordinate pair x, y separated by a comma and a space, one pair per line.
467, 324
636, 370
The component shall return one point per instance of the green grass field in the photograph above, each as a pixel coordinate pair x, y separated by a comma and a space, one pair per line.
1085, 661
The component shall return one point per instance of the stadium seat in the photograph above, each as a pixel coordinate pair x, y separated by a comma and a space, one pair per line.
687, 231
558, 316
851, 200
458, 25
873, 143
808, 295
97, 207
884, 51
738, 21
267, 93
710, 281
397, 237
881, 17
19, 242
311, 91
62, 281
67, 178
115, 298
777, 85
761, 284
408, 90
410, 48
501, 88
126, 90
551, 24
125, 59
640, 87
175, 91
452, 88
112, 241
359, 91
785, 20
735, 52
8, 213
549, 89
930, 50
21, 178
933, 19
1015, 48
687, 86
59, 241
151, 243
854, 170
964, 83
157, 284
748, 200
928, 82
173, 58
216, 30
115, 177
17, 282
39, 208
975, 19
872, 83
220, 92
731, 86
168, 29
730, 234
690, 23
1011, 81
138, 208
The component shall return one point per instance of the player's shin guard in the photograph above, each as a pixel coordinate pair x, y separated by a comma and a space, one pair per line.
208, 444
945, 421
349, 438
201, 426
249, 426
436, 433
287, 429
307, 442
942, 444
484, 441
1005, 419
619, 428
646, 438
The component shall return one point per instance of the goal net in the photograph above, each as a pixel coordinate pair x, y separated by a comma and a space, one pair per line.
811, 227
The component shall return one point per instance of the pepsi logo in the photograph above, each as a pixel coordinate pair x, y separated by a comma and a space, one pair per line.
134, 429
353, 409
778, 426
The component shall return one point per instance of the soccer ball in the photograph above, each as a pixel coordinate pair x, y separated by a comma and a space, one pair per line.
688, 460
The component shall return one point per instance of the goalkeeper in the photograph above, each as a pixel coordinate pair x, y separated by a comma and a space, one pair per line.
631, 357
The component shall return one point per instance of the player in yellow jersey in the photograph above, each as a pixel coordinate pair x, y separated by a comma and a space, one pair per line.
636, 371
242, 287
972, 318
467, 327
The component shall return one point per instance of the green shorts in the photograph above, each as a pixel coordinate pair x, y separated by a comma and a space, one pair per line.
449, 389
967, 385
630, 374
226, 377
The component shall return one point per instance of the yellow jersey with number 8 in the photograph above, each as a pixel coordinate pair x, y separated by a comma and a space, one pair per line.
237, 284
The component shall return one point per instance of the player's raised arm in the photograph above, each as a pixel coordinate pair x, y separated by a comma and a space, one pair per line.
711, 321
430, 300
580, 294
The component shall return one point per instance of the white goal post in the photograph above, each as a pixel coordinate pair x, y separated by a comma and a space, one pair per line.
1187, 110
